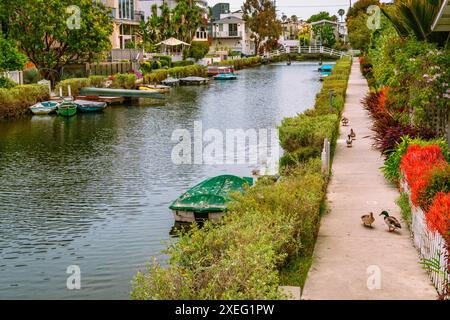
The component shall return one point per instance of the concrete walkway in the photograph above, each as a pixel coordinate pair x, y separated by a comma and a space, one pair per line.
351, 261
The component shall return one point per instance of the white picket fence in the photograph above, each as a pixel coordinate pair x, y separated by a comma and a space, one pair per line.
326, 156
430, 244
16, 76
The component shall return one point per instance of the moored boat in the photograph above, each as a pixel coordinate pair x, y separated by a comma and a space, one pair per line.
208, 199
44, 108
324, 75
325, 68
157, 88
215, 70
90, 106
67, 109
225, 76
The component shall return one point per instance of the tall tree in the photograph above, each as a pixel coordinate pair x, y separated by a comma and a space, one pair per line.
323, 15
44, 32
187, 18
261, 18
325, 33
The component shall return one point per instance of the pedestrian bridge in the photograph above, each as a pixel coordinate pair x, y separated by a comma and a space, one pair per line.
307, 50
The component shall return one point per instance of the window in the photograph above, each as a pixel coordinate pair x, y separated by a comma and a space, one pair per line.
233, 30
126, 9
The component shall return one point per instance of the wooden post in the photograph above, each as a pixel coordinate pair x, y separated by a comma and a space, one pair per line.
331, 101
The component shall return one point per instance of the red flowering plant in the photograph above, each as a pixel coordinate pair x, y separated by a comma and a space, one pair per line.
438, 215
417, 165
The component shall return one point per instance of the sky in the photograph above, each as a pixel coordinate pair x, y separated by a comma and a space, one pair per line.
302, 8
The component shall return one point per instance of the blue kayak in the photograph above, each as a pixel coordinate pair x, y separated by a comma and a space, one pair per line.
326, 68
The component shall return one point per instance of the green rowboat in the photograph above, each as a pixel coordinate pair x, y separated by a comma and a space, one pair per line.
67, 109
208, 199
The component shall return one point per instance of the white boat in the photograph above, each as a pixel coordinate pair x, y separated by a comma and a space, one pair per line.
46, 107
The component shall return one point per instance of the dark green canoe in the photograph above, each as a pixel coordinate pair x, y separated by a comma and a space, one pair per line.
211, 195
67, 109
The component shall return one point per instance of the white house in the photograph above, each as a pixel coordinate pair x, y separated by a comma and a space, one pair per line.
230, 33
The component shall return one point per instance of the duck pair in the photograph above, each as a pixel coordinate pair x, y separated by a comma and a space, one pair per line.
350, 137
391, 222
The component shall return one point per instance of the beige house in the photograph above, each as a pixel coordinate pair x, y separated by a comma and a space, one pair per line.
127, 15
230, 33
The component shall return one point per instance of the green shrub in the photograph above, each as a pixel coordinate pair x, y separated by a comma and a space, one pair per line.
305, 131
405, 208
15, 102
182, 63
7, 83
242, 63
75, 85
156, 76
31, 76
97, 81
165, 60
198, 49
124, 81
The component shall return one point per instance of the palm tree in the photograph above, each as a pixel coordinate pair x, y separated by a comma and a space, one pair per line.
415, 17
341, 12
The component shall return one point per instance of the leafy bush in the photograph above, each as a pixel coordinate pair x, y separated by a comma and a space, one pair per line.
31, 76
156, 76
123, 81
239, 64
11, 59
165, 60
7, 83
182, 63
15, 102
198, 49
75, 85
405, 208
97, 81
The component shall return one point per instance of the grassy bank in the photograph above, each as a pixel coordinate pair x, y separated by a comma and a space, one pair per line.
14, 102
268, 236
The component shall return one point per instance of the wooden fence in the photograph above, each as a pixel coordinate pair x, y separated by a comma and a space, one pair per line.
97, 69
16, 76
127, 54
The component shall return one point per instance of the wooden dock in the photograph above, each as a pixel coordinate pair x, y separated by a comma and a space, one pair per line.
124, 93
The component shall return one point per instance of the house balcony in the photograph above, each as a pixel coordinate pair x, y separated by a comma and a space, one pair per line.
227, 34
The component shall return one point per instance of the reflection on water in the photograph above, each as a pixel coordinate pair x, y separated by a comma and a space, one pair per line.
93, 190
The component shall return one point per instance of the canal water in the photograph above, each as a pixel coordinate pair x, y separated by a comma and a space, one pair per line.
93, 190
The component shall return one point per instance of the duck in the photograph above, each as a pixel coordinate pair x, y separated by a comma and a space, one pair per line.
391, 222
349, 141
352, 134
344, 121
368, 219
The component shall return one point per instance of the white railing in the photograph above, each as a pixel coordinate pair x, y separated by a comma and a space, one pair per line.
322, 50
16, 76
430, 244
227, 34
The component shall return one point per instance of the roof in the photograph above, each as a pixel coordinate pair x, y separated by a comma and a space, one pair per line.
325, 21
172, 42
230, 19
442, 21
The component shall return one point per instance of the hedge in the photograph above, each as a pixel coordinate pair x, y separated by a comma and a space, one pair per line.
14, 102
242, 63
183, 63
245, 254
156, 76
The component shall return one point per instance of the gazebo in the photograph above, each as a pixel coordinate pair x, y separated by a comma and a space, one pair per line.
171, 45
